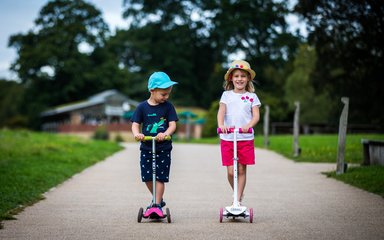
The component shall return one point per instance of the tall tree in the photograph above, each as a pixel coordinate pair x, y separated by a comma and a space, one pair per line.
315, 106
206, 34
163, 37
62, 58
349, 39
11, 95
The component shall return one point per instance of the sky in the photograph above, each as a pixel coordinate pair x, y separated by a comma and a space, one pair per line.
18, 16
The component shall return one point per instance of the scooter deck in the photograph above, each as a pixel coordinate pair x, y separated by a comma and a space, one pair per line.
241, 212
154, 213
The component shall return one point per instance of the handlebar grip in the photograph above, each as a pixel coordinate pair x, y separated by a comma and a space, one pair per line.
232, 130
149, 138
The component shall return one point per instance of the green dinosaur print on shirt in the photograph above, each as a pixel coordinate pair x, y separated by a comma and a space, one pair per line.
155, 126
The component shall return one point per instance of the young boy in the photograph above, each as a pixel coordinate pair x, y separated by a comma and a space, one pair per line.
157, 117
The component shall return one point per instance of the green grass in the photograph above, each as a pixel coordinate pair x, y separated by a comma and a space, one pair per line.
319, 148
32, 163
369, 178
323, 148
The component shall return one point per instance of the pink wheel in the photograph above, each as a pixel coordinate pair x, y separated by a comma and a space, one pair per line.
251, 215
221, 214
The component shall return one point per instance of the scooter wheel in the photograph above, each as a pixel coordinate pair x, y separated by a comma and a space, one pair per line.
251, 215
168, 215
140, 214
221, 214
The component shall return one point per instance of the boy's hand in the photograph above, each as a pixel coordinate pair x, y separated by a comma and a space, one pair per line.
139, 137
161, 136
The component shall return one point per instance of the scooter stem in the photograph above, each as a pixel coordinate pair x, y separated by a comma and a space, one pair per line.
153, 170
235, 159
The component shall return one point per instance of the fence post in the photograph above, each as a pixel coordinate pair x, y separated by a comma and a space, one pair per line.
296, 130
266, 126
341, 166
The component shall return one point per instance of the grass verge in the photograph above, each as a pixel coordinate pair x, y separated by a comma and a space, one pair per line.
323, 148
32, 163
369, 178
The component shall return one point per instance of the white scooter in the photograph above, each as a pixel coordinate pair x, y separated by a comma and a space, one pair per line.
235, 210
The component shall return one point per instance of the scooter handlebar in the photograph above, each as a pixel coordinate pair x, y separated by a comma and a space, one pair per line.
232, 130
149, 138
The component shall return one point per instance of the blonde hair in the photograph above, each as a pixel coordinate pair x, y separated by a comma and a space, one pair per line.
228, 84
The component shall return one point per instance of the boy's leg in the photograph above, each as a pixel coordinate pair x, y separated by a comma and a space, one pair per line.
160, 187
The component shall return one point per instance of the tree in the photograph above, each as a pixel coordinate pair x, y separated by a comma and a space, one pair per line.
63, 60
11, 95
349, 40
199, 37
315, 106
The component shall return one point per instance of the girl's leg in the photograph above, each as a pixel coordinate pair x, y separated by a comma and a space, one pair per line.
242, 171
230, 175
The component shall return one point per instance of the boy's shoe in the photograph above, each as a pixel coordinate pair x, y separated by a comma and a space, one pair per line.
161, 205
154, 211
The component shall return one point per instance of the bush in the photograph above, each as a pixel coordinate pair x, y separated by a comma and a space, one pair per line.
101, 133
119, 138
210, 127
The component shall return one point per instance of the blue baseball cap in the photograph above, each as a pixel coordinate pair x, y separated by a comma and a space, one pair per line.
160, 80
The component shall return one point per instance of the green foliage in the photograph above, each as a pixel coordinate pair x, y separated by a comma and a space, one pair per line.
195, 50
210, 127
314, 108
52, 64
349, 42
32, 163
119, 138
11, 95
101, 133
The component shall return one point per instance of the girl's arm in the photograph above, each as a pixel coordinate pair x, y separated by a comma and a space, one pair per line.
136, 131
220, 117
255, 119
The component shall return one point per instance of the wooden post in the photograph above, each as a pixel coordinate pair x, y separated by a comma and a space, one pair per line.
341, 166
266, 126
296, 130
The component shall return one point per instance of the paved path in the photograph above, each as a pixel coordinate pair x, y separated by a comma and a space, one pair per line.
290, 201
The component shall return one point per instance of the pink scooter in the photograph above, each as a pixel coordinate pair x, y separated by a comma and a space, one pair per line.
154, 212
235, 210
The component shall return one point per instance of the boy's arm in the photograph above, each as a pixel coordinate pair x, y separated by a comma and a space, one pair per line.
171, 129
136, 131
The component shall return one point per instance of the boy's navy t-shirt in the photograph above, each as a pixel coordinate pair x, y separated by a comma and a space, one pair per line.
154, 119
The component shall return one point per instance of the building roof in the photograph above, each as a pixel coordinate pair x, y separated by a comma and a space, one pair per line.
96, 99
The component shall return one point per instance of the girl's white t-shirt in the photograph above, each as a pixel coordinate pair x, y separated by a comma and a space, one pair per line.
238, 112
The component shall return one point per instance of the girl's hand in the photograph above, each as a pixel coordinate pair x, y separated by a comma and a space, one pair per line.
245, 128
224, 129
139, 137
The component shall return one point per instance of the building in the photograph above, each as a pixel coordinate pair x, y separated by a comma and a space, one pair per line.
110, 109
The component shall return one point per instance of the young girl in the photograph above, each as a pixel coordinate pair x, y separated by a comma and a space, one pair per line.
239, 108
